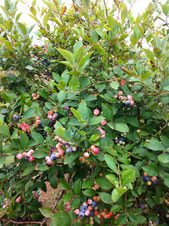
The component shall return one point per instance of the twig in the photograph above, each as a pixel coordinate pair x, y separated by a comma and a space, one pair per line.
105, 8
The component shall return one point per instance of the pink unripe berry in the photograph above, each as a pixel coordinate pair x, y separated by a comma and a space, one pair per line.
74, 148
103, 136
76, 211
85, 204
89, 201
115, 96
138, 131
18, 199
24, 154
37, 122
49, 162
121, 97
154, 178
47, 157
70, 114
50, 112
31, 151
92, 147
103, 132
31, 159
19, 156
96, 151
33, 94
57, 155
60, 140
38, 117
90, 208
96, 213
66, 108
96, 112
61, 152
58, 145
4, 206
86, 155
103, 123
120, 93
49, 116
87, 213
132, 102
130, 97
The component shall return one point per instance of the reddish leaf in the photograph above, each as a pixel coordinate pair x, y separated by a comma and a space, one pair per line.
123, 82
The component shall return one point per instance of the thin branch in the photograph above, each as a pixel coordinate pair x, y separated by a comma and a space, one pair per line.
105, 8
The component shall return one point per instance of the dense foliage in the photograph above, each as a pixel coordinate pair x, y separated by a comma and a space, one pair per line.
87, 112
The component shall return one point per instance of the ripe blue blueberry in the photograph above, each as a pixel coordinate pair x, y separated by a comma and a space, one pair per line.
81, 214
53, 157
26, 158
157, 221
52, 148
121, 139
68, 150
146, 178
94, 204
142, 206
83, 208
127, 103
63, 142
91, 213
154, 182
16, 117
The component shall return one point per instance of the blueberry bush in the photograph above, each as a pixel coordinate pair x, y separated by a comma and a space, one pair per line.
86, 112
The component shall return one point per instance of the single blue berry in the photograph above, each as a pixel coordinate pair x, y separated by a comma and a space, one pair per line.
52, 148
53, 157
81, 214
21, 204
154, 182
91, 213
142, 206
26, 158
68, 150
16, 117
127, 103
83, 208
63, 142
146, 178
157, 221
94, 204
121, 139
72, 134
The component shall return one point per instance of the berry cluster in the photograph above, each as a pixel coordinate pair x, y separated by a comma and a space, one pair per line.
59, 151
88, 209
18, 200
26, 155
149, 181
126, 100
35, 96
25, 127
52, 115
102, 131
38, 122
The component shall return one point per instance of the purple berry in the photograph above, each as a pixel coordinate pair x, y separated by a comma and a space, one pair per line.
94, 204
68, 150
127, 103
146, 178
142, 206
116, 141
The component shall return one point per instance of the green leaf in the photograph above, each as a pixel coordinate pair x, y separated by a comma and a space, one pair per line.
164, 158
45, 19
87, 183
83, 110
28, 170
64, 184
107, 112
111, 22
89, 192
67, 55
61, 218
113, 179
117, 193
53, 182
94, 35
94, 137
149, 54
46, 212
127, 177
24, 141
104, 183
76, 113
111, 163
105, 197
116, 208
95, 120
37, 137
114, 85
4, 131
121, 127
9, 159
28, 114
154, 145
165, 9
29, 67
61, 96
59, 131
43, 93
151, 170
77, 186
70, 158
